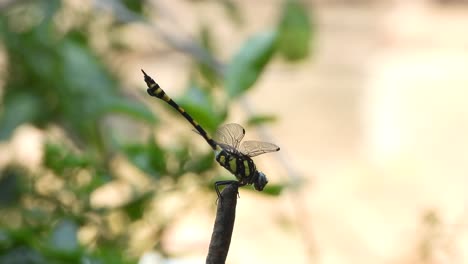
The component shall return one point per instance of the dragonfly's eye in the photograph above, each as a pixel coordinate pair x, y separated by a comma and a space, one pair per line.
261, 181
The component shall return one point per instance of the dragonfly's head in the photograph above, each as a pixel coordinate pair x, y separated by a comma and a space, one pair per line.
260, 181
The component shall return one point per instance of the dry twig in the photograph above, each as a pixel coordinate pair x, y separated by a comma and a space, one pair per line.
224, 224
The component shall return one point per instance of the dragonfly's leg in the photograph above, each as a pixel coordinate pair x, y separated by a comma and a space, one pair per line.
222, 183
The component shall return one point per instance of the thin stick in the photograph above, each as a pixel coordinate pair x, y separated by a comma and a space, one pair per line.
224, 224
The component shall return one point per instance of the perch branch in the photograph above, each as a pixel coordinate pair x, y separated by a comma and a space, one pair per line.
224, 224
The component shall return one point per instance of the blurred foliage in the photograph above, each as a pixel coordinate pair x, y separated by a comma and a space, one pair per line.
295, 31
55, 78
260, 119
248, 64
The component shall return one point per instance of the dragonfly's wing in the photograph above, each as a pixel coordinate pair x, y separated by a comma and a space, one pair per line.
254, 148
230, 134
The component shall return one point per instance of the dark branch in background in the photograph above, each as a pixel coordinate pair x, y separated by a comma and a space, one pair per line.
224, 223
186, 46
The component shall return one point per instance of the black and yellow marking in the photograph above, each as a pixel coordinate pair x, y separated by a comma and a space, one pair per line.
156, 91
233, 164
246, 168
222, 160
239, 165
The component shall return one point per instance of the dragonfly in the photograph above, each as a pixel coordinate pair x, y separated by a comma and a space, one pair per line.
232, 154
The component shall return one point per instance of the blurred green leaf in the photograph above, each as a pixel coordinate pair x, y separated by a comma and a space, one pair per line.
132, 109
10, 189
249, 62
60, 80
295, 31
22, 254
182, 156
261, 119
136, 207
112, 254
18, 109
133, 5
200, 163
38, 215
6, 240
273, 189
156, 156
58, 158
209, 75
99, 178
25, 235
149, 157
200, 105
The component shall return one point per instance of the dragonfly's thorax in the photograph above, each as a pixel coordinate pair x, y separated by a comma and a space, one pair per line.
240, 165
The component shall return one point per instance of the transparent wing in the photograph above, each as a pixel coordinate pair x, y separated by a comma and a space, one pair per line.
230, 134
253, 148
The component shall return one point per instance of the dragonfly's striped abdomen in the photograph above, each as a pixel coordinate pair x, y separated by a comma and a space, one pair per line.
156, 91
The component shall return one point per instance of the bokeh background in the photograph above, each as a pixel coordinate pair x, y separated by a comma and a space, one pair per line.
367, 100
